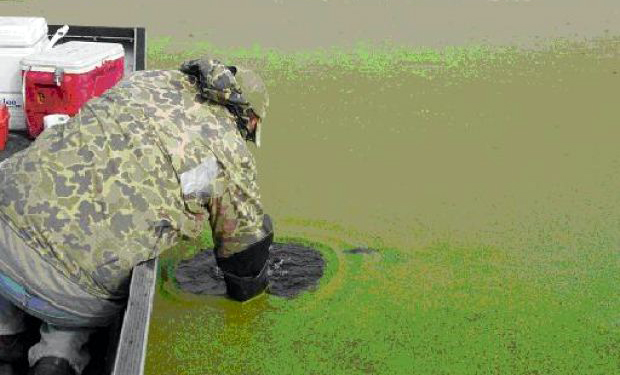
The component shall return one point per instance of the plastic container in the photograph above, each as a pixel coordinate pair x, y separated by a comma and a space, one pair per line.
53, 120
4, 125
19, 37
61, 80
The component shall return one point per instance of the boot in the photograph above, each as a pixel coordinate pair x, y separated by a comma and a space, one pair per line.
52, 366
13, 348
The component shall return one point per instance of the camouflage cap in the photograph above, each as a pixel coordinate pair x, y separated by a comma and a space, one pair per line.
253, 90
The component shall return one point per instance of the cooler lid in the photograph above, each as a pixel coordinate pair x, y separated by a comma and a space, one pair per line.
21, 31
73, 56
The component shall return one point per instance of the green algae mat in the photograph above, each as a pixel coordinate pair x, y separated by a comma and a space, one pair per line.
485, 178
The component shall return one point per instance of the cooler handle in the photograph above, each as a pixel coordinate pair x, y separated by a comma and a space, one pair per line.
60, 33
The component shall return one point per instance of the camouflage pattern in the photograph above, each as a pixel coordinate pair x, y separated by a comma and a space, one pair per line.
254, 91
101, 193
241, 90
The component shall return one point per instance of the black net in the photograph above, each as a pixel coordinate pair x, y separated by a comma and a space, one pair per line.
292, 269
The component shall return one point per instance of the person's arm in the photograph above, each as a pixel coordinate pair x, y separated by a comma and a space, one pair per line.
198, 185
242, 234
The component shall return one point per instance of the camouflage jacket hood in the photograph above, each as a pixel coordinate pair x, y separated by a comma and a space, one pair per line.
99, 194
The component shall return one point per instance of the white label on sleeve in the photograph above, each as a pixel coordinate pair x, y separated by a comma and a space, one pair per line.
201, 179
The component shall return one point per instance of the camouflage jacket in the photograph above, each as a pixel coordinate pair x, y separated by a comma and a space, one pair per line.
138, 167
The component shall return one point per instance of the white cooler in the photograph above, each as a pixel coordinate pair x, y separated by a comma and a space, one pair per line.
19, 37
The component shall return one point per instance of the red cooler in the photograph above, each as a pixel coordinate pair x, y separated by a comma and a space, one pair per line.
61, 80
4, 125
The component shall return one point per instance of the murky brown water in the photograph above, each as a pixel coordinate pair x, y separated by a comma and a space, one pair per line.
404, 154
520, 166
523, 159
302, 24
